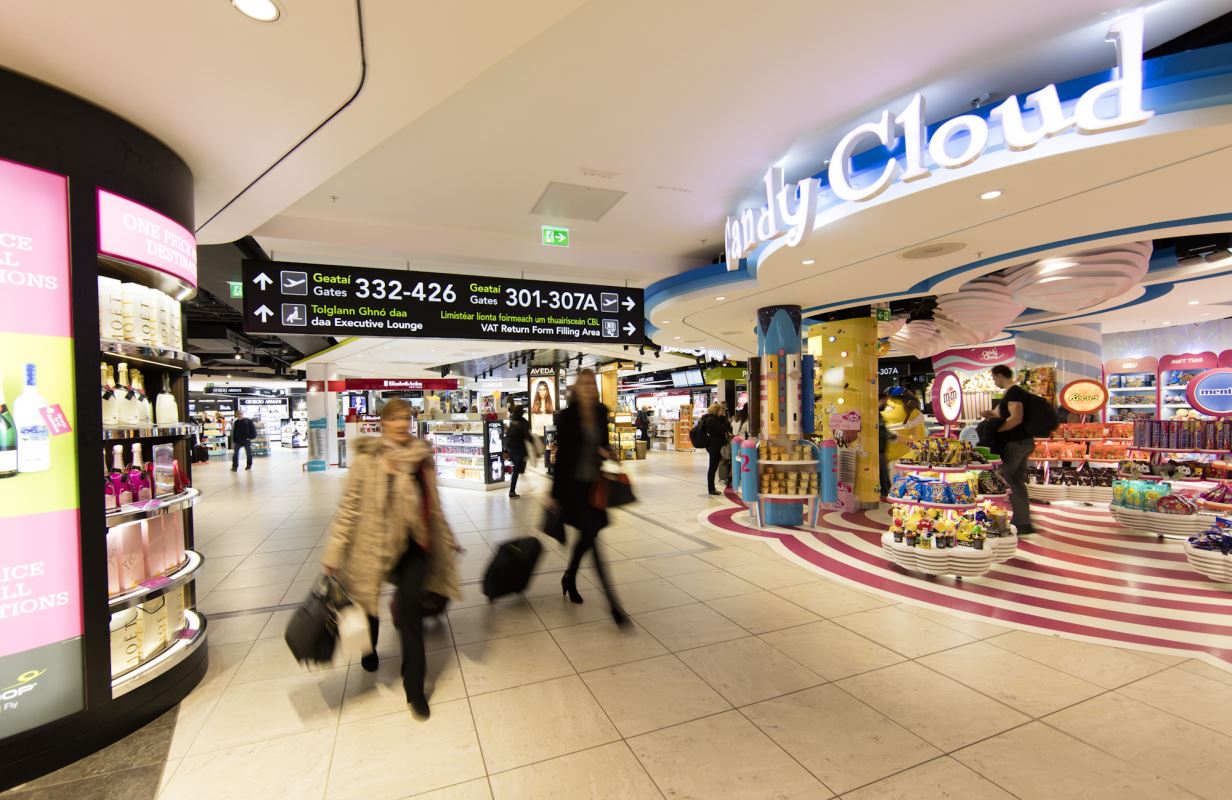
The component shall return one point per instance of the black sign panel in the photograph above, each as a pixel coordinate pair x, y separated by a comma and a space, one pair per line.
284, 297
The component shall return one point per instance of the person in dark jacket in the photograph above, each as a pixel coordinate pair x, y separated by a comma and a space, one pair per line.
718, 433
242, 434
581, 446
516, 439
642, 423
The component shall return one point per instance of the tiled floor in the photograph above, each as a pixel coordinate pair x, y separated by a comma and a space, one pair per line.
743, 677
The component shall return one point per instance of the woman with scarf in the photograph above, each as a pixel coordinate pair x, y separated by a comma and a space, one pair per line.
389, 526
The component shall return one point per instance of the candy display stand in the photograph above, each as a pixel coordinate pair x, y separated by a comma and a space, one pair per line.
963, 562
1211, 563
1166, 526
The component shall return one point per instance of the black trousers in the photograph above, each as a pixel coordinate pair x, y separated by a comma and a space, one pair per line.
715, 457
519, 466
410, 570
588, 542
235, 454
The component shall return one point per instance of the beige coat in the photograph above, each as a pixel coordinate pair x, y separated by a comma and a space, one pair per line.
363, 550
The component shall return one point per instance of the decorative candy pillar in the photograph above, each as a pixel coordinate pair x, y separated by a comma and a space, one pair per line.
1076, 351
778, 346
845, 382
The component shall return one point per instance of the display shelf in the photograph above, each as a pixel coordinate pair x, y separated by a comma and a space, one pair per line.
129, 432
901, 467
147, 509
185, 644
1132, 388
1083, 459
1177, 386
1211, 563
165, 282
153, 588
1168, 526
799, 463
925, 504
962, 562
1131, 405
983, 497
787, 497
1181, 450
1104, 439
160, 356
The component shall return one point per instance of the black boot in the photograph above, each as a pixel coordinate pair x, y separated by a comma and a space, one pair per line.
568, 585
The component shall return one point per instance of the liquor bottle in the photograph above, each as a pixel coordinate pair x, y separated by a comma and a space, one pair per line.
111, 493
126, 399
166, 411
33, 437
8, 438
136, 475
119, 476
139, 398
111, 404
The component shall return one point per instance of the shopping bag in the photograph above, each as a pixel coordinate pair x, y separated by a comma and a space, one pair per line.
353, 632
612, 490
554, 524
312, 632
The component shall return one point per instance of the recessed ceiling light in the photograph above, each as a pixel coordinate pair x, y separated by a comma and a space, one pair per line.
1205, 314
665, 322
260, 10
675, 337
720, 299
1165, 323
1194, 302
991, 195
809, 261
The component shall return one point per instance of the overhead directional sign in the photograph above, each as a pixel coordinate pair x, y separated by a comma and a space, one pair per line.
554, 236
324, 300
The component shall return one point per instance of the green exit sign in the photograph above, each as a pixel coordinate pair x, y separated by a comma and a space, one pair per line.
554, 236
237, 288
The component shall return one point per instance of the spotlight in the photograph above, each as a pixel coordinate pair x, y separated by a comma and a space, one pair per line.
237, 354
992, 194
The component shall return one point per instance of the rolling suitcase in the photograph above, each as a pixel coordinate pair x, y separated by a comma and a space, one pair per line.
511, 568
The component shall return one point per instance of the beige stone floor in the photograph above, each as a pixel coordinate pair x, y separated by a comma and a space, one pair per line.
744, 676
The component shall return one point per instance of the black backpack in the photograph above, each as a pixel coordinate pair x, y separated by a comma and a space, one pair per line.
1039, 417
698, 436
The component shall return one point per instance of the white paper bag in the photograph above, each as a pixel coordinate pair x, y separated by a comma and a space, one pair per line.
354, 635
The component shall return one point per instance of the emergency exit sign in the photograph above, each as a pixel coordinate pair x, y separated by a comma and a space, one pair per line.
237, 288
554, 236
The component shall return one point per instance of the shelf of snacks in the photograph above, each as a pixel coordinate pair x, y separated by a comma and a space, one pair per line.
1217, 498
1081, 484
622, 436
1158, 507
1094, 431
1209, 551
953, 491
684, 424
946, 455
1134, 378
1039, 381
948, 542
1206, 436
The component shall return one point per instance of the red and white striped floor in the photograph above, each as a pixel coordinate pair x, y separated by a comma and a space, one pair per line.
1081, 576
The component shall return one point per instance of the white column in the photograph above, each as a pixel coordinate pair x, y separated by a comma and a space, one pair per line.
324, 404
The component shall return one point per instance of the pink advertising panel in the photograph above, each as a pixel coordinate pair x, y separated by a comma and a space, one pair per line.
974, 359
1189, 361
1225, 358
129, 231
40, 581
34, 272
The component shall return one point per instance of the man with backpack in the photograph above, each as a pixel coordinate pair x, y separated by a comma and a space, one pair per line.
1022, 417
242, 434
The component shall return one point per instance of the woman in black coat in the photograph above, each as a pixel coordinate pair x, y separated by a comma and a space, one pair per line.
581, 447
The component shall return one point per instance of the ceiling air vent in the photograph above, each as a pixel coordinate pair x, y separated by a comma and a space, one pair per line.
934, 250
572, 201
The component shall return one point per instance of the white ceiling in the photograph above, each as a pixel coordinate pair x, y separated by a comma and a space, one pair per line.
466, 115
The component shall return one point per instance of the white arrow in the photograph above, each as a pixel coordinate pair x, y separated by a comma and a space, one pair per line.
264, 313
263, 281
629, 304
630, 328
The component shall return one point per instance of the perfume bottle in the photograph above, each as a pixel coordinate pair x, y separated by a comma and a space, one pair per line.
126, 399
166, 411
33, 437
111, 405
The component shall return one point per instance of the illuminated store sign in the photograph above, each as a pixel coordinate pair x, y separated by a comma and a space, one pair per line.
1210, 392
411, 384
131, 232
947, 398
791, 209
1084, 396
40, 555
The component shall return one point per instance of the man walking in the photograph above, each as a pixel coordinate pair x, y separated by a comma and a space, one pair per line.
242, 434
1013, 443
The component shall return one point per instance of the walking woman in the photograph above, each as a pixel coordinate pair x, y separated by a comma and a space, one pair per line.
581, 447
517, 438
389, 526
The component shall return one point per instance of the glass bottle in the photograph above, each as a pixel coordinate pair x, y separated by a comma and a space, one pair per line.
166, 410
33, 436
8, 438
111, 405
126, 399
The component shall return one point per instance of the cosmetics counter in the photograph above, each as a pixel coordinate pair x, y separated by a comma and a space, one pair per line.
99, 633
468, 451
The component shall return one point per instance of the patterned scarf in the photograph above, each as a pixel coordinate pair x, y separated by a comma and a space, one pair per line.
406, 509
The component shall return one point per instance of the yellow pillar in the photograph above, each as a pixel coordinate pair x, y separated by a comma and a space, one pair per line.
845, 379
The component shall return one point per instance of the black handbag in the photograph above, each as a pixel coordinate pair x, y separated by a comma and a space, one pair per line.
554, 524
312, 632
612, 490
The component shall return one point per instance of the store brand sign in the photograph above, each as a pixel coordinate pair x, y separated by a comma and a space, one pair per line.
131, 232
1210, 392
790, 210
1084, 396
405, 384
947, 398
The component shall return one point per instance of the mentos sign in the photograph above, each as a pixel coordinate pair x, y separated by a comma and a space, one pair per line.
1211, 392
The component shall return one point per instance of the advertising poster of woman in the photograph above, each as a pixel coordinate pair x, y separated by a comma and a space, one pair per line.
543, 400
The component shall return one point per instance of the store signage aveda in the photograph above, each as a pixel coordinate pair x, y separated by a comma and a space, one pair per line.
1210, 392
328, 300
791, 209
131, 232
40, 554
1084, 396
947, 398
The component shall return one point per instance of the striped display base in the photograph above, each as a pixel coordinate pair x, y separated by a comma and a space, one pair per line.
1081, 576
